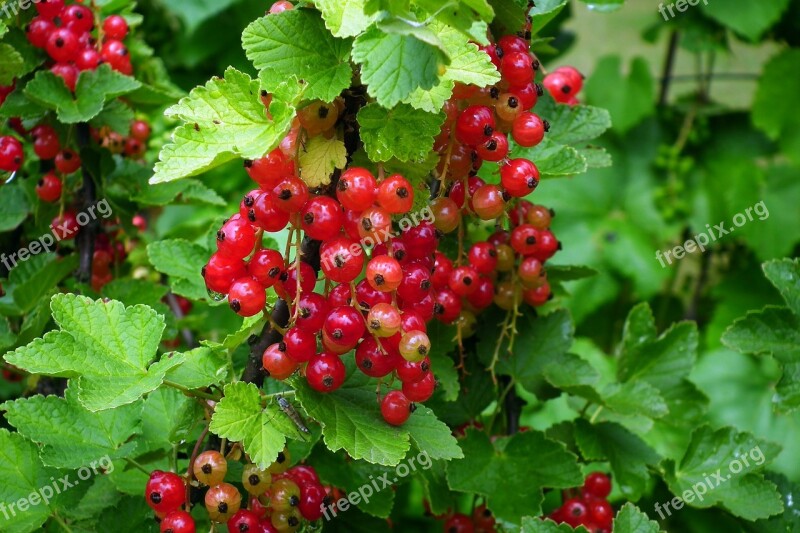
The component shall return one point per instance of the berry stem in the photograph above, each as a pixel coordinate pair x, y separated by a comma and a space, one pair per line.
137, 465
62, 523
190, 392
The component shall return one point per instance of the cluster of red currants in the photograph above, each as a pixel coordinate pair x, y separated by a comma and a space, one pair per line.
133, 145
590, 508
279, 498
68, 34
564, 84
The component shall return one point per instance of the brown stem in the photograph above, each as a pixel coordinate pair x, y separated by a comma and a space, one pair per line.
669, 64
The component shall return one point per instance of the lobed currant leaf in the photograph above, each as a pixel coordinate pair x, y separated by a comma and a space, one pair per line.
168, 416
630, 519
11, 64
318, 159
344, 18
402, 133
182, 261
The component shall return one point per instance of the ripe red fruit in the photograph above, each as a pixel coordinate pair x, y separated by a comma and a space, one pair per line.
221, 271
475, 125
597, 484
277, 362
527, 95
483, 295
396, 195
529, 129
559, 86
49, 188
601, 513
463, 280
540, 216
416, 282
88, 59
459, 523
517, 68
447, 306
519, 177
321, 218
67, 72
77, 18
375, 225
45, 142
574, 512
140, 130
488, 202
512, 44
115, 27
292, 194
301, 345
312, 496
495, 148
267, 214
413, 371
313, 311
374, 359
395, 408
165, 492
65, 227
420, 391
266, 267
178, 522
247, 297
357, 189
483, 257
523, 239
367, 296
62, 45
412, 321
49, 9
546, 245
420, 241
11, 154
326, 372
345, 327
67, 161
342, 259
384, 273
442, 268
243, 521
574, 77
280, 6
340, 295
270, 169
39, 30
446, 214
115, 53
236, 238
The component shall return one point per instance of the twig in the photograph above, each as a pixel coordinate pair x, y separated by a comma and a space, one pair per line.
669, 64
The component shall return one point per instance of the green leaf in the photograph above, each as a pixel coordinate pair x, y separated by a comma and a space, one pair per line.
107, 347
629, 99
724, 468
510, 16
573, 124
240, 417
604, 6
181, 260
664, 362
544, 12
749, 19
3, 28
319, 157
11, 64
168, 417
225, 120
201, 367
116, 115
539, 525
771, 114
553, 159
344, 18
403, 133
100, 496
351, 420
630, 519
197, 12
785, 275
468, 63
38, 276
505, 473
295, 44
628, 455
71, 436
23, 475
394, 65
93, 90
14, 207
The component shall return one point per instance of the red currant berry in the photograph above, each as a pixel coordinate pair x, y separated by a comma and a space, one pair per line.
140, 130
413, 371
442, 269
574, 512
488, 202
527, 95
340, 295
49, 188
267, 213
446, 215
475, 125
321, 218
420, 391
345, 327
367, 296
459, 523
280, 6
326, 372
512, 44
483, 257
495, 148
237, 238
574, 77
115, 27
270, 169
115, 53
529, 129
601, 513
312, 497
384, 273
396, 195
67, 161
221, 271
62, 45
210, 468
530, 272
425, 308
301, 346
177, 522
266, 267
77, 18
292, 194
222, 502
421, 241
313, 312
243, 521
67, 72
523, 239
519, 177
396, 408
483, 518
277, 362
39, 30
66, 226
165, 492
559, 86
414, 346
483, 295
517, 68
357, 189
342, 259
384, 320
11, 154
540, 217
416, 282
463, 280
447, 306
546, 245
374, 359
49, 9
45, 142
247, 297
375, 225
597, 484
412, 321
